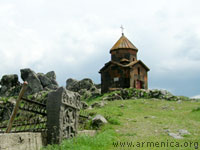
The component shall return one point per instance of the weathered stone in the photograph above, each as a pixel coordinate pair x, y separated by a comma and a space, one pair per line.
85, 87
99, 104
87, 94
10, 85
51, 75
98, 121
6, 110
84, 105
167, 130
176, 136
98, 86
183, 132
48, 81
22, 141
122, 105
34, 84
10, 80
87, 132
95, 92
62, 114
45, 81
86, 84
72, 85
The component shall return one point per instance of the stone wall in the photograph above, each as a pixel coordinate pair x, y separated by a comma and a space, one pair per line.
22, 141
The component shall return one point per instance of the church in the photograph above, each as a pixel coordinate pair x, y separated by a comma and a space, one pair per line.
124, 70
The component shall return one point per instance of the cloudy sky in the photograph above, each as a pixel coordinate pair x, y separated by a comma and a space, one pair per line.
73, 38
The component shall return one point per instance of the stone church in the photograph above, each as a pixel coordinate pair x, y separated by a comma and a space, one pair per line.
124, 70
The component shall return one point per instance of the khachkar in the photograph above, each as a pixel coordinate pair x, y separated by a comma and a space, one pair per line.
62, 115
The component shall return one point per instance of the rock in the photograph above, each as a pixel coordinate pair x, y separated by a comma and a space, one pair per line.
87, 132
99, 104
122, 105
124, 94
85, 87
98, 121
51, 75
72, 85
34, 84
167, 130
86, 84
95, 92
48, 81
153, 117
10, 86
155, 93
183, 132
179, 101
87, 94
98, 86
6, 110
84, 105
45, 81
10, 80
176, 136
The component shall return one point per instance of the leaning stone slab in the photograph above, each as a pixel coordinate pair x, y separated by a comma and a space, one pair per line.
62, 115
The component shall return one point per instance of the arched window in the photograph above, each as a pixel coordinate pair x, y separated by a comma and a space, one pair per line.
138, 70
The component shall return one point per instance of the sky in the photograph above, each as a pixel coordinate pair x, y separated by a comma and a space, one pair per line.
73, 38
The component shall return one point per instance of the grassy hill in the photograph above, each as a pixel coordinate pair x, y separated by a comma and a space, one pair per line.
140, 124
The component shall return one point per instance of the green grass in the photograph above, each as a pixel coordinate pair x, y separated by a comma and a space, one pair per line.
100, 142
141, 120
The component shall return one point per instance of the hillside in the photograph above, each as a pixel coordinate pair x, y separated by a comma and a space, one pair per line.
143, 123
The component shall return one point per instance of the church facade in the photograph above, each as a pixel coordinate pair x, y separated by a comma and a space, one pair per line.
124, 70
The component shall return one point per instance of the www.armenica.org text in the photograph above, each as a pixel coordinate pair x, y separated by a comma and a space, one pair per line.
172, 144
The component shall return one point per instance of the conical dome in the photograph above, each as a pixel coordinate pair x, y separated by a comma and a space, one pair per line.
123, 43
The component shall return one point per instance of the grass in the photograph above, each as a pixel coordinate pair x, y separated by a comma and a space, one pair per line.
141, 120
101, 141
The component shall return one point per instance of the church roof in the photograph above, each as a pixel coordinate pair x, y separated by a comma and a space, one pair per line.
123, 43
124, 66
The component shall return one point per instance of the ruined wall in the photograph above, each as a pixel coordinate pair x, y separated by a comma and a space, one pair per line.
115, 77
117, 55
22, 141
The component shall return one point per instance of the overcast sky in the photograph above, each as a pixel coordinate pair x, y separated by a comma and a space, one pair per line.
73, 38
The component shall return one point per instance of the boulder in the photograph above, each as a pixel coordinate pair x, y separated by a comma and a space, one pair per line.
114, 96
86, 84
51, 75
10, 86
84, 87
48, 81
34, 84
98, 121
72, 85
10, 80
45, 81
